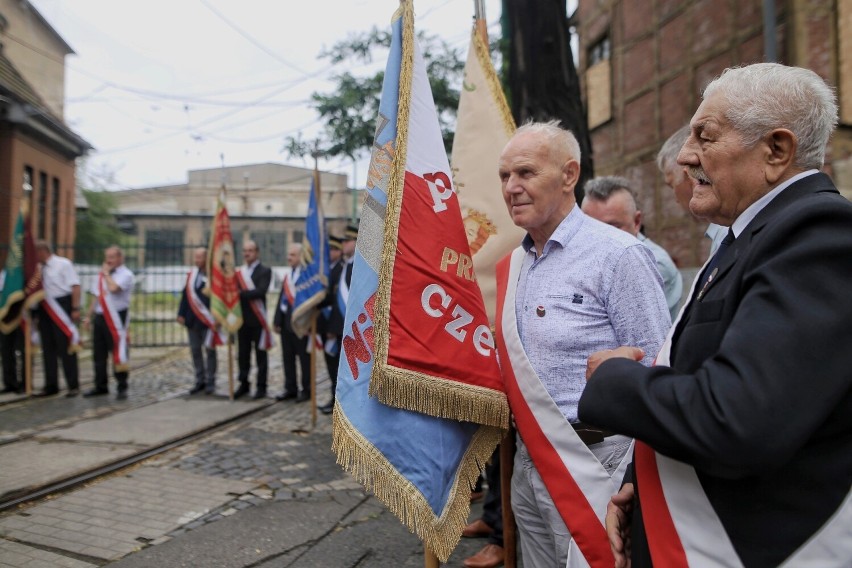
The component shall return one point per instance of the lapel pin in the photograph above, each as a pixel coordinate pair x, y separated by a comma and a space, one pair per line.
539, 311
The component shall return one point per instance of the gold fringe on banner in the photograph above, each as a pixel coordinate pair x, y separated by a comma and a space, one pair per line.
403, 388
440, 532
493, 83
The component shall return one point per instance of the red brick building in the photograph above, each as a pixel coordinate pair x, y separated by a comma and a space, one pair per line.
37, 149
644, 63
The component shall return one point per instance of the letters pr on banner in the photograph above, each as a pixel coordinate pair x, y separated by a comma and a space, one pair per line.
415, 331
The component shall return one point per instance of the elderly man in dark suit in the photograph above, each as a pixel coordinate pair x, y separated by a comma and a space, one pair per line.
744, 427
254, 279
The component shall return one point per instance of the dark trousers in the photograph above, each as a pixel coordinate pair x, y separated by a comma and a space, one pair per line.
292, 349
102, 346
205, 372
332, 362
249, 337
13, 371
492, 508
54, 344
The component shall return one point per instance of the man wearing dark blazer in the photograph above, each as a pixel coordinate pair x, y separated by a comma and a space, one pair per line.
338, 293
331, 348
255, 332
744, 427
293, 347
193, 309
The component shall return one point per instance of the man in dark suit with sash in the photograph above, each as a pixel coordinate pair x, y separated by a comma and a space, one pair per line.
744, 427
253, 279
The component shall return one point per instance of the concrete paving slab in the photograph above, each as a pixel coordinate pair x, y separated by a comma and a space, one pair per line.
111, 528
17, 555
158, 423
31, 463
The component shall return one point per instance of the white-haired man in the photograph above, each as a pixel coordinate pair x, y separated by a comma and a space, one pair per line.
746, 421
574, 286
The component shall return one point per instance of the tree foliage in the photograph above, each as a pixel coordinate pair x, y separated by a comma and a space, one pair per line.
350, 110
96, 227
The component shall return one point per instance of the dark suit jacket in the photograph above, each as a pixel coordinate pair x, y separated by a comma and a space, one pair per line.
282, 319
337, 317
261, 277
185, 311
759, 395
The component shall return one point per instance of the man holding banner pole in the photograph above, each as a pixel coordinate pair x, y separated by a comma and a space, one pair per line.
573, 284
58, 315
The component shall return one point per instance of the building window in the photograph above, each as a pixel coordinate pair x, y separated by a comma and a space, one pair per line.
54, 221
28, 182
599, 83
271, 246
42, 205
163, 247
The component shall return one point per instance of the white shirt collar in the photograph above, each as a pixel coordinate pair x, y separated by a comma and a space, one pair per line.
751, 212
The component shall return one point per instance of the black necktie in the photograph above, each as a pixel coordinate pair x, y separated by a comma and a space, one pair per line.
710, 271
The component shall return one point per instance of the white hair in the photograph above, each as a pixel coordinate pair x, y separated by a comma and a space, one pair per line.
562, 138
667, 156
765, 96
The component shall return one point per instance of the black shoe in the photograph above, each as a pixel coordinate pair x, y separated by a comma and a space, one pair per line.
16, 390
241, 391
259, 395
121, 395
210, 390
45, 393
95, 392
328, 408
72, 393
303, 396
196, 389
285, 396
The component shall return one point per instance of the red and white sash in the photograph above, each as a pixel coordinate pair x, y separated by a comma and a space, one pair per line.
289, 288
258, 308
215, 335
117, 328
63, 321
578, 484
684, 530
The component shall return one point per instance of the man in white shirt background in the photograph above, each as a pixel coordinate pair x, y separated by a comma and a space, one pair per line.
58, 315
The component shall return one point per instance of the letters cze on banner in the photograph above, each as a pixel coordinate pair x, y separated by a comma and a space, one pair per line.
420, 405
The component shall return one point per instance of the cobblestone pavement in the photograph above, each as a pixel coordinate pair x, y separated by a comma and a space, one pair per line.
274, 465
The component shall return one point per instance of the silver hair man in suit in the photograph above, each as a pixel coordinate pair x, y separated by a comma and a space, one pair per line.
744, 427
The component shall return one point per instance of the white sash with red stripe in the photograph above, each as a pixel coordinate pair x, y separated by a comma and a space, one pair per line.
289, 288
682, 526
579, 485
258, 308
117, 328
215, 335
63, 321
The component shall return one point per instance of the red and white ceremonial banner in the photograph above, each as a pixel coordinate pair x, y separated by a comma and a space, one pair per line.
435, 351
63, 321
682, 526
215, 334
117, 328
224, 293
484, 126
578, 484
245, 282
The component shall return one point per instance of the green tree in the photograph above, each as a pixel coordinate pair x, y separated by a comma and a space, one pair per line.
96, 227
349, 111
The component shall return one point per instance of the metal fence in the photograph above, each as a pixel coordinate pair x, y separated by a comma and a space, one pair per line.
156, 292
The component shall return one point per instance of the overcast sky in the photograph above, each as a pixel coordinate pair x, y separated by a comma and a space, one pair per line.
165, 86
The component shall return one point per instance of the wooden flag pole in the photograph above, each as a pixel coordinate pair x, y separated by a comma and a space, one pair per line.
431, 561
313, 342
231, 367
28, 356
